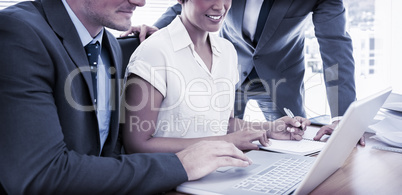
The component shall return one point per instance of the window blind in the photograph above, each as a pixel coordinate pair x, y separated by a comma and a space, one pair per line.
152, 10
6, 3
148, 14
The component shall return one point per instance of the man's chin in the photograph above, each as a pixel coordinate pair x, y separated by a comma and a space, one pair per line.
120, 26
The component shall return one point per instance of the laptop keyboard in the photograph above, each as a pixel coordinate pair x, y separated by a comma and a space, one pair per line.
278, 178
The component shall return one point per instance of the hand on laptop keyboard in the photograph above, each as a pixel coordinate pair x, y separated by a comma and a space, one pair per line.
204, 157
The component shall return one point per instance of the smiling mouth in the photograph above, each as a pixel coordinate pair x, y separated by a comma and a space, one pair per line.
215, 17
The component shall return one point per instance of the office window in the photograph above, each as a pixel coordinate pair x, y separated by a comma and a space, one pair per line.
375, 27
152, 10
6, 3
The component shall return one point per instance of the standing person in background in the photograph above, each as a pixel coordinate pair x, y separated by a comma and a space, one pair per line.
269, 38
59, 69
181, 88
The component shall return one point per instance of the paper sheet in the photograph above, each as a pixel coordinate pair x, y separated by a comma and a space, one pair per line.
303, 147
395, 106
388, 131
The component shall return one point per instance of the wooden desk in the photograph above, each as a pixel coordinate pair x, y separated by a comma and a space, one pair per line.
366, 171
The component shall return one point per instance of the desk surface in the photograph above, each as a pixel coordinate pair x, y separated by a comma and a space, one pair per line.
366, 171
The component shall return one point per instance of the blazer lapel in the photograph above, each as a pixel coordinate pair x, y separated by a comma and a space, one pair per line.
62, 25
275, 17
115, 62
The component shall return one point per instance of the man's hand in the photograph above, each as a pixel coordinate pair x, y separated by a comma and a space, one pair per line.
204, 157
288, 128
142, 31
328, 129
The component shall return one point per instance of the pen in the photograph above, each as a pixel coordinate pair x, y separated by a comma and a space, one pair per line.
290, 114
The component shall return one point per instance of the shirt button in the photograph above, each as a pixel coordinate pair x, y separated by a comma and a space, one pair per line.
256, 57
244, 73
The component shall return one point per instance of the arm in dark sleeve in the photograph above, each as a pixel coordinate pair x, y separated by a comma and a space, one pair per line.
168, 16
336, 53
34, 158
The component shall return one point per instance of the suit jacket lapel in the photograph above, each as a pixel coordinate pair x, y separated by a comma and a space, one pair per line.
62, 25
113, 51
275, 17
115, 90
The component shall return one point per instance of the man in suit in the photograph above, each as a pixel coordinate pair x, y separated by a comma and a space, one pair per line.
270, 51
59, 118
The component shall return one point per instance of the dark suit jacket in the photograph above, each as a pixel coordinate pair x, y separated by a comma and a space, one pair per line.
49, 138
278, 57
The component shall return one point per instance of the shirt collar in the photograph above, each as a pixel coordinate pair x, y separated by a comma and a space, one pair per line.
82, 31
181, 39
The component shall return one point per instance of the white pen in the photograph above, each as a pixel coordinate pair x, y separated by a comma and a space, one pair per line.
289, 113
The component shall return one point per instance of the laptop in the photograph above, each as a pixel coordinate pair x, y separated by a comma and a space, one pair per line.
301, 174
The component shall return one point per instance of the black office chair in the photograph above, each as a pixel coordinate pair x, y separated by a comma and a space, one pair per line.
128, 45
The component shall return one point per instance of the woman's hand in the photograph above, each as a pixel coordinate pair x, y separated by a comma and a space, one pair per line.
143, 31
287, 128
243, 139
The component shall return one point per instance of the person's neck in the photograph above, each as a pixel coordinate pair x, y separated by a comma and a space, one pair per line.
198, 37
92, 28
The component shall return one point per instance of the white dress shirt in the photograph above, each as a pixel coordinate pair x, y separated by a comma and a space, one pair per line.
103, 112
197, 102
250, 19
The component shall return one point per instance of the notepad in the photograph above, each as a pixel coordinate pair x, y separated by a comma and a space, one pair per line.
306, 146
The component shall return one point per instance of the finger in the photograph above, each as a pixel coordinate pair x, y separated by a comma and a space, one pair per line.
298, 131
296, 136
263, 140
290, 129
251, 146
230, 161
125, 34
319, 135
362, 141
229, 149
259, 136
143, 33
325, 130
304, 122
152, 30
266, 140
293, 121
132, 30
